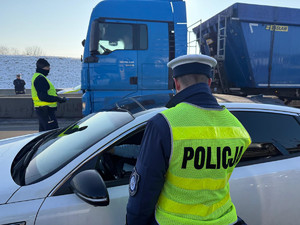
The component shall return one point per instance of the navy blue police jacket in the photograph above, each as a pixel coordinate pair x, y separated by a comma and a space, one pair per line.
147, 180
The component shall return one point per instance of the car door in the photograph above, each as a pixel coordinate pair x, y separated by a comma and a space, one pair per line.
69, 209
264, 186
115, 164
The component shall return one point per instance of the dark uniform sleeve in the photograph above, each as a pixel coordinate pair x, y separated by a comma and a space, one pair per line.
151, 168
42, 86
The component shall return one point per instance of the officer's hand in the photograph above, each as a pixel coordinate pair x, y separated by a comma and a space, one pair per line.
62, 100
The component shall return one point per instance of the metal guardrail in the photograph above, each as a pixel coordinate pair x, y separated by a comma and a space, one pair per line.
21, 106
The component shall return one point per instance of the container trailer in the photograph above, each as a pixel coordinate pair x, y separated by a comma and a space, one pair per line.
257, 49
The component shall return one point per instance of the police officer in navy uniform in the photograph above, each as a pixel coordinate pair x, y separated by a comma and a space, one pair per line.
187, 155
19, 85
44, 96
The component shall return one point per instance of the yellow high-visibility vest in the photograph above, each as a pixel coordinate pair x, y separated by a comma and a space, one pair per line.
207, 144
52, 91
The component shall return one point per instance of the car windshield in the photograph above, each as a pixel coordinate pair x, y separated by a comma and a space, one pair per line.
56, 150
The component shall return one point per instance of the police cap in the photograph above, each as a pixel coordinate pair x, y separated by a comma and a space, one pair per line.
192, 64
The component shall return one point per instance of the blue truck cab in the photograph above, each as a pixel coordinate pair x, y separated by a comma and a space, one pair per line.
127, 48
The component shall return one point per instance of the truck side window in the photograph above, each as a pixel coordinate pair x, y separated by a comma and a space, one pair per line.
115, 36
108, 37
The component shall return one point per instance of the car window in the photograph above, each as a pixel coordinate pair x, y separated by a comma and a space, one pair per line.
114, 164
272, 134
56, 150
260, 151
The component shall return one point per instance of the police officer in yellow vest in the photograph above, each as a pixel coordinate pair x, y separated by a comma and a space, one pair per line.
187, 155
44, 96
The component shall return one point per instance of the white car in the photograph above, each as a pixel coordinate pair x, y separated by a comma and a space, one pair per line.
79, 174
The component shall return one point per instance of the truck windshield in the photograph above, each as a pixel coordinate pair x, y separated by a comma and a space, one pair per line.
56, 150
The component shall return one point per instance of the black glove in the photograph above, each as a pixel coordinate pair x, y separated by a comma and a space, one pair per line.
62, 100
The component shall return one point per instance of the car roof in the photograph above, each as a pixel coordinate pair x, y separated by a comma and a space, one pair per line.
259, 106
259, 102
265, 99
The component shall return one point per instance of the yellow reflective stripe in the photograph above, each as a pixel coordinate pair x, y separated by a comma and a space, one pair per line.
197, 210
38, 103
50, 104
197, 184
192, 133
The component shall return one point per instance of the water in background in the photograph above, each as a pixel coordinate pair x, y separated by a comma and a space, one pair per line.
64, 72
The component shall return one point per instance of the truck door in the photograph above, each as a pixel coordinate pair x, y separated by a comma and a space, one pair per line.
152, 60
114, 75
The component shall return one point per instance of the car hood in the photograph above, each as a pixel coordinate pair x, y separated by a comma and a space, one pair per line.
8, 151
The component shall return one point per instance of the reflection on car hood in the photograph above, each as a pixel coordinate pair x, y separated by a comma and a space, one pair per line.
8, 151
18, 138
141, 103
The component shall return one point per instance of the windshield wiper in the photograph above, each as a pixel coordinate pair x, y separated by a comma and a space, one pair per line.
106, 50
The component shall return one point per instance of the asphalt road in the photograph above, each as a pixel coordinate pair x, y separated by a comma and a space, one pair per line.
16, 127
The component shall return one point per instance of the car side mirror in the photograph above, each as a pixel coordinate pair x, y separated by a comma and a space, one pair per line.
90, 187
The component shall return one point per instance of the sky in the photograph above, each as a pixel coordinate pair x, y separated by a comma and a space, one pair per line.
57, 27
